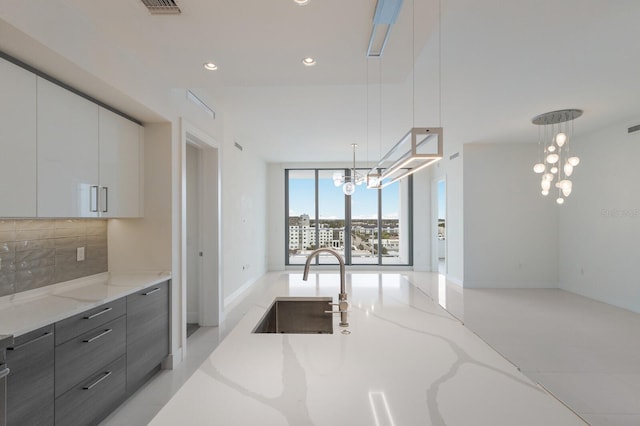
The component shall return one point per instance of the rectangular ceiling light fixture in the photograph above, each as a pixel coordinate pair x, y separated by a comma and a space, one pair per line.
200, 103
417, 149
385, 16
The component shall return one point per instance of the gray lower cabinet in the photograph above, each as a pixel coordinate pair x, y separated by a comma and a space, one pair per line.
147, 333
30, 384
94, 398
76, 371
79, 358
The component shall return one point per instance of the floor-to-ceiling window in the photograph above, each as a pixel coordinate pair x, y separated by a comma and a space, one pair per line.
370, 227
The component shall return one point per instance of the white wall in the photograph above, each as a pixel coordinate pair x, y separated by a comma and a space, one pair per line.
244, 217
422, 221
510, 229
277, 228
599, 225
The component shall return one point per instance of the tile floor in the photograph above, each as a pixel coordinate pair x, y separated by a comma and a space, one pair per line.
584, 352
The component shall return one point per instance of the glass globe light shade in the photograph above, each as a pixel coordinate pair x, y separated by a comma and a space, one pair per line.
566, 191
337, 182
574, 161
566, 184
545, 192
554, 170
551, 148
538, 168
547, 176
560, 200
561, 138
558, 185
545, 184
348, 188
568, 169
552, 158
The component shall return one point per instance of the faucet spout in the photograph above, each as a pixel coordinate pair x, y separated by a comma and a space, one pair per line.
342, 296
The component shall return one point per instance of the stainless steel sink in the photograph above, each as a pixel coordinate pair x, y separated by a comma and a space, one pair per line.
300, 315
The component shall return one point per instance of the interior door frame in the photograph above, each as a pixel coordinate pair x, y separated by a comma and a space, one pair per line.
210, 265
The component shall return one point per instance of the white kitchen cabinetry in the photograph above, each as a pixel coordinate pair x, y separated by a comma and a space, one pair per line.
17, 141
68, 153
120, 143
89, 158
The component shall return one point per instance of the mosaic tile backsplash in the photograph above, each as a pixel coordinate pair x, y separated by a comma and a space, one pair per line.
36, 252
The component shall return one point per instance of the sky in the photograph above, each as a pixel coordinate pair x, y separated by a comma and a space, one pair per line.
364, 202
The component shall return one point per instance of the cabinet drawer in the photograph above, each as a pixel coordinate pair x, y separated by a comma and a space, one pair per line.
93, 399
80, 357
147, 333
30, 394
88, 320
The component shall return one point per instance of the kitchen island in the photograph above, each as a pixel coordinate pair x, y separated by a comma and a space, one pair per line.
405, 361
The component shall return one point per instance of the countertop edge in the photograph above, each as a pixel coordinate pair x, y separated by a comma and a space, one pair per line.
126, 283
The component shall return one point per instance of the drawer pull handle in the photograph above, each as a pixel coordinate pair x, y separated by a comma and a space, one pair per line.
104, 376
94, 338
151, 292
97, 314
15, 348
4, 373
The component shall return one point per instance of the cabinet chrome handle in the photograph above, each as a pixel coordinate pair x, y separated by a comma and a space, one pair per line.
96, 337
104, 376
105, 191
15, 348
151, 292
4, 373
97, 314
93, 190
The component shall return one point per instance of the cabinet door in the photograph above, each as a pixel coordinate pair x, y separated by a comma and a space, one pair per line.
78, 358
17, 141
30, 389
120, 166
94, 398
147, 333
68, 172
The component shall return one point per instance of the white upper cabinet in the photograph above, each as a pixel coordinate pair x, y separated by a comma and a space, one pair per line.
17, 141
120, 166
68, 150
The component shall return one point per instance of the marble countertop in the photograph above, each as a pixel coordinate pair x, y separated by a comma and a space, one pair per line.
27, 311
406, 362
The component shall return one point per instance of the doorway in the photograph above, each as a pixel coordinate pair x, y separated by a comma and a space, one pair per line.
440, 246
200, 240
193, 251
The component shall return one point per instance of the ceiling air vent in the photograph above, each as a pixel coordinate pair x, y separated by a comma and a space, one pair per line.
162, 7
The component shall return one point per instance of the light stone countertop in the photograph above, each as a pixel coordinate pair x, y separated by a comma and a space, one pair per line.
27, 311
406, 362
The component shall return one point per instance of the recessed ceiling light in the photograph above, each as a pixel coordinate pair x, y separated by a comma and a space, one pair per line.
309, 62
301, 2
210, 66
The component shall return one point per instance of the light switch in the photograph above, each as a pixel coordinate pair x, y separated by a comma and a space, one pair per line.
80, 254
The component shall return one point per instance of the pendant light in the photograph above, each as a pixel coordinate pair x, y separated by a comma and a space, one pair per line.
556, 162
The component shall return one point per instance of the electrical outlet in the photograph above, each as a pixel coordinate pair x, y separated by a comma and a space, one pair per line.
80, 254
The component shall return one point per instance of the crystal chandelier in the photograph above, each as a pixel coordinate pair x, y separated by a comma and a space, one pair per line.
349, 182
556, 162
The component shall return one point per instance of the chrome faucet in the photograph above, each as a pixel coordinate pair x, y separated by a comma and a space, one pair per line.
343, 304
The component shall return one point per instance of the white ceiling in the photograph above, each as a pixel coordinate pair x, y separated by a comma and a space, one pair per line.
501, 64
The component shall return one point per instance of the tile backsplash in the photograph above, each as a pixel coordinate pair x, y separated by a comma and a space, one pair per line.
37, 252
